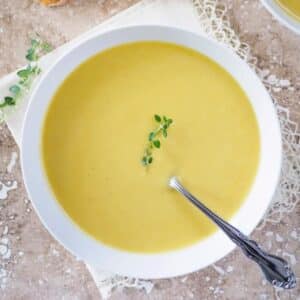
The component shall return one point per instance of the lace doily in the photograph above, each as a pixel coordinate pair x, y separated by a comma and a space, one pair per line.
215, 23
111, 282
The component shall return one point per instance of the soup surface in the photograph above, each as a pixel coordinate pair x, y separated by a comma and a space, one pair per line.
96, 129
291, 6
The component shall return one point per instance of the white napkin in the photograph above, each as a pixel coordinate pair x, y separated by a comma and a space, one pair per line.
179, 13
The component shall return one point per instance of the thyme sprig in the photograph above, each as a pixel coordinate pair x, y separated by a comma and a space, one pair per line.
27, 74
154, 138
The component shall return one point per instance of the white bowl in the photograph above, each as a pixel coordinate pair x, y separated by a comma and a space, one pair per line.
171, 263
281, 15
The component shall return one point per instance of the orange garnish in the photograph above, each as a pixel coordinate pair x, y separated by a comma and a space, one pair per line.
53, 2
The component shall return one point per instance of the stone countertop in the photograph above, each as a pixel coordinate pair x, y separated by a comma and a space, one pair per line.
34, 266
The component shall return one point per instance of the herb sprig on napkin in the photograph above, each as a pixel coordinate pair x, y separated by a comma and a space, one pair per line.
26, 75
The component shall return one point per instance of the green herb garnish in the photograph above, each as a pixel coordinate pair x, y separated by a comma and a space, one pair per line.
26, 75
154, 138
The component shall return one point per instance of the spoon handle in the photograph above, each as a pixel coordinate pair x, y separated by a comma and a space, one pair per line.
276, 270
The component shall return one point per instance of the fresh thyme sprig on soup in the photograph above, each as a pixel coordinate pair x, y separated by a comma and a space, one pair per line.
154, 138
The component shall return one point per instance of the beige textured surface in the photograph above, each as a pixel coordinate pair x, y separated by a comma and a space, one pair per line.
38, 267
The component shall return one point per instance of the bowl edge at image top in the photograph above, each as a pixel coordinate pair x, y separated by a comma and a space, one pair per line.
161, 265
282, 16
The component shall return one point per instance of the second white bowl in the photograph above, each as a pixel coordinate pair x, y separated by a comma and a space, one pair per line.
282, 16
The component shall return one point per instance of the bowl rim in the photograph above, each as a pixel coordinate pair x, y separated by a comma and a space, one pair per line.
281, 15
158, 265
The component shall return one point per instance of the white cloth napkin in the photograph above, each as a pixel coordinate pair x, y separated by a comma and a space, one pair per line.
179, 13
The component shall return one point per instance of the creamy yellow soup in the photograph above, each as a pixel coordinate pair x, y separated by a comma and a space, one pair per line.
292, 7
96, 129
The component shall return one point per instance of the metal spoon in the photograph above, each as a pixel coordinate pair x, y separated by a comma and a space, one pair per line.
276, 269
